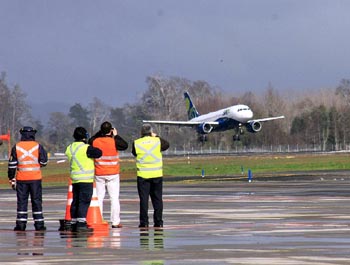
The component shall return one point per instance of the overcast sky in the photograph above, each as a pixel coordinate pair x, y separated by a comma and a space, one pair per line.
73, 50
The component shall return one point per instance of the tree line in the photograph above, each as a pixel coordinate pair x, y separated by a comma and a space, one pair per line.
318, 119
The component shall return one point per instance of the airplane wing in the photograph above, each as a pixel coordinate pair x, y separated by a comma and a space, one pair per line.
182, 123
267, 119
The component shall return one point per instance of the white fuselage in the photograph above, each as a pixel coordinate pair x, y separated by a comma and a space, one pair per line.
240, 113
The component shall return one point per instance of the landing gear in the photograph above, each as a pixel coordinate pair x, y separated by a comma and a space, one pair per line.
239, 132
203, 138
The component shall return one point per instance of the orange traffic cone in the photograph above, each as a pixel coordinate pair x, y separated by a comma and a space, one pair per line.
65, 223
94, 217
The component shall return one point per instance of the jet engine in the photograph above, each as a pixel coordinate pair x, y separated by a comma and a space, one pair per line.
254, 127
204, 128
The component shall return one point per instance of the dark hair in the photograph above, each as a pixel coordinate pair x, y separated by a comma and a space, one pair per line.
106, 127
146, 129
80, 133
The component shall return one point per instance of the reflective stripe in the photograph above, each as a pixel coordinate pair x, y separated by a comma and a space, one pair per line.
99, 161
148, 163
29, 169
28, 163
28, 153
76, 178
84, 172
105, 163
148, 153
108, 157
149, 168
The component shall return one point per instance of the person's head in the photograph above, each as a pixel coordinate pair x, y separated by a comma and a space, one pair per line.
80, 134
146, 130
106, 127
27, 133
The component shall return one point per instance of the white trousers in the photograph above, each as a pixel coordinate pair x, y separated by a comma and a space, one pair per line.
112, 184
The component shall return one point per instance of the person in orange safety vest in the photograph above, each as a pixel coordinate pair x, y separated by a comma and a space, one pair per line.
24, 173
107, 168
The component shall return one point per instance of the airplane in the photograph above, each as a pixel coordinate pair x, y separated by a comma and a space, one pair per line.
231, 118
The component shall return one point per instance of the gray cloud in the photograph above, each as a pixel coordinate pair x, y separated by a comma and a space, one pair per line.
71, 51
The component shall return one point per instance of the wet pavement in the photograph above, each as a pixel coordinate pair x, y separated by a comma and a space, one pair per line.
303, 221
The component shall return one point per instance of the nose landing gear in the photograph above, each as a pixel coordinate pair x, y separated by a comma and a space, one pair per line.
239, 132
203, 138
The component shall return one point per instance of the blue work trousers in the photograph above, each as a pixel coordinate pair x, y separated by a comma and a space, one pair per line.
25, 189
82, 194
152, 187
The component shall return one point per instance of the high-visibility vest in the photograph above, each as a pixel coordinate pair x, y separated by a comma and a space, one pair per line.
82, 168
149, 161
108, 163
28, 167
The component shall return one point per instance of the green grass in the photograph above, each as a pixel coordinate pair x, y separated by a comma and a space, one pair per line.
58, 174
233, 165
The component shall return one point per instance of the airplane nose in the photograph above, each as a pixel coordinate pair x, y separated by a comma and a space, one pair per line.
249, 114
246, 115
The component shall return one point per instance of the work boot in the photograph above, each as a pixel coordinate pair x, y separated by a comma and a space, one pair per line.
20, 226
143, 227
117, 226
73, 227
83, 228
39, 226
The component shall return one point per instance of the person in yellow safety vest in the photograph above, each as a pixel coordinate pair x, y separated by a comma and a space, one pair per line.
107, 168
148, 152
82, 171
24, 173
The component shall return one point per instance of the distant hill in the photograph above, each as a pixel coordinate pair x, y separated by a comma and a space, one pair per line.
42, 111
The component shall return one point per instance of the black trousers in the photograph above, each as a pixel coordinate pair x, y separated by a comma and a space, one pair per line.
82, 194
33, 189
153, 188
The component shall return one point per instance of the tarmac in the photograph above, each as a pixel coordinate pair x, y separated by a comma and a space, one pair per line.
279, 221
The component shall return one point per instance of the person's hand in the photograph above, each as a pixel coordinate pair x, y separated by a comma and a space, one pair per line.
114, 132
12, 183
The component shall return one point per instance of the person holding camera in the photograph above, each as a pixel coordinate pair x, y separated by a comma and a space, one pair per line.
149, 162
107, 168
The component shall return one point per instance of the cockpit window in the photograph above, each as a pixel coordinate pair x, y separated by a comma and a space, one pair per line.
243, 109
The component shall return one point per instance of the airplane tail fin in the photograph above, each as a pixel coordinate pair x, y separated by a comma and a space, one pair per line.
191, 109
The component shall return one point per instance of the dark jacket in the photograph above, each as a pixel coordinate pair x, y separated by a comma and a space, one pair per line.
92, 152
120, 143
